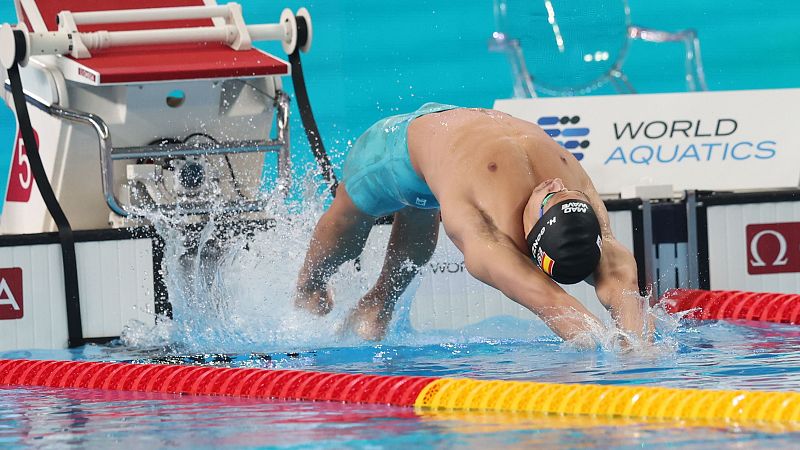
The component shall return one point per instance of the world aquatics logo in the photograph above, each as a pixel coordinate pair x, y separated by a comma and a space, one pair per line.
567, 133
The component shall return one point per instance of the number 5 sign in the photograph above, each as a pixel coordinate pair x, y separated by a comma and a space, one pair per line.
20, 183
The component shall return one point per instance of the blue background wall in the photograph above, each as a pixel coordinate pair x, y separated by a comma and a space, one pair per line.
373, 58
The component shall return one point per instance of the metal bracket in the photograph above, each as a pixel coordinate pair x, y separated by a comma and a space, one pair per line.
692, 251
647, 237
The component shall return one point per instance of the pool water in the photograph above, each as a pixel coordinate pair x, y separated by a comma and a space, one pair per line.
358, 72
49, 418
743, 355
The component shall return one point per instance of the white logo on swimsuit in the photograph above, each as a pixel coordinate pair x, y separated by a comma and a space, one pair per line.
420, 201
538, 238
551, 221
572, 207
599, 243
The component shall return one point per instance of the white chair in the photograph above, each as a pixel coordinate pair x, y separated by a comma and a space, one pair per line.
572, 47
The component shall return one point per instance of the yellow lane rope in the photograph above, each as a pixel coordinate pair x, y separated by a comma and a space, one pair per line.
645, 402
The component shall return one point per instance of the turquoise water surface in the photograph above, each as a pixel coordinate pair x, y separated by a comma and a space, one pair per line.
701, 355
709, 355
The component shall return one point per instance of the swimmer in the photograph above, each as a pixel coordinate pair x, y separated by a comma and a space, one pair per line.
519, 207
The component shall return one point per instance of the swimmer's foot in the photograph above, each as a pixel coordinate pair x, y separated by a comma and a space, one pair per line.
369, 320
364, 326
318, 302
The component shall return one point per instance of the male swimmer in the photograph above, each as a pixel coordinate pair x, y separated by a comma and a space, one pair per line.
519, 207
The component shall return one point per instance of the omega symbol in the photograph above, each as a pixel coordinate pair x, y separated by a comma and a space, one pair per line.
780, 260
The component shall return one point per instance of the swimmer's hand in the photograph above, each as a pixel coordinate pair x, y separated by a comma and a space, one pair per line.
644, 343
315, 301
614, 341
601, 337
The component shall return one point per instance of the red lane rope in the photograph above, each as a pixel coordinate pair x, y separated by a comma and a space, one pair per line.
722, 305
255, 383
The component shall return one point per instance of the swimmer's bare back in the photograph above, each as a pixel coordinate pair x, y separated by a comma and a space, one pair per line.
491, 160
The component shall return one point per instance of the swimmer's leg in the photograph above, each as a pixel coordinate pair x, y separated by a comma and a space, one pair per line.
411, 245
338, 237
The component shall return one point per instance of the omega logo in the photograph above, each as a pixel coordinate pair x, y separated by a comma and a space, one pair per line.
780, 260
773, 248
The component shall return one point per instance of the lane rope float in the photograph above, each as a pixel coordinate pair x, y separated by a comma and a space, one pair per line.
422, 393
734, 305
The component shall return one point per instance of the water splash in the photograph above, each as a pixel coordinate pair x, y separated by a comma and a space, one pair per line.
657, 337
232, 291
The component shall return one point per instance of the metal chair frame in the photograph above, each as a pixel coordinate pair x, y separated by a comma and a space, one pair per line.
526, 87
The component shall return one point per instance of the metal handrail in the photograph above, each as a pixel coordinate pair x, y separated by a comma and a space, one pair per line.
185, 149
109, 154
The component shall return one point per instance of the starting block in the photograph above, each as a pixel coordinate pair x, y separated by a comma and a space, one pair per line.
161, 106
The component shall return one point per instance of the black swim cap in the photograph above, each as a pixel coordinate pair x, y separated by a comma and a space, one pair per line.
565, 243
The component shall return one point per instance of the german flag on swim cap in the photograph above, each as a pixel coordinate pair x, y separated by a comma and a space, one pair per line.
565, 242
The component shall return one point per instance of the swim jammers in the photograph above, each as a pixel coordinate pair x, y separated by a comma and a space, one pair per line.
378, 174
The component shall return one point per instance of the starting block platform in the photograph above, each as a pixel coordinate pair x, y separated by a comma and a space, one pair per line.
151, 63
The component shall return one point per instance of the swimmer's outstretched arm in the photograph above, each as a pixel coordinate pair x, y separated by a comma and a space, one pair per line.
617, 287
492, 257
616, 279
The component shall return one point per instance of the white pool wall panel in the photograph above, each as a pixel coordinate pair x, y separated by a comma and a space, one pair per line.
44, 321
116, 287
727, 246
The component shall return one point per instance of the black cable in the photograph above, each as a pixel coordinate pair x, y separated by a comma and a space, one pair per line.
304, 105
67, 239
200, 134
236, 186
307, 116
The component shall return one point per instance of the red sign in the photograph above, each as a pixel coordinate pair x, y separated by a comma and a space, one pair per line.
773, 248
20, 183
11, 306
86, 74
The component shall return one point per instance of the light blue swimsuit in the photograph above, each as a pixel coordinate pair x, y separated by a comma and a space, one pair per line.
378, 174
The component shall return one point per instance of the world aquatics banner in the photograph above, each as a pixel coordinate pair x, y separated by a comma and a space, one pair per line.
727, 140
